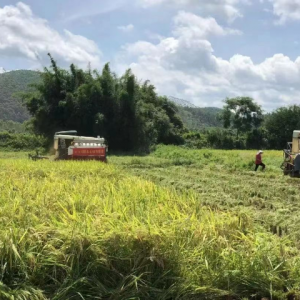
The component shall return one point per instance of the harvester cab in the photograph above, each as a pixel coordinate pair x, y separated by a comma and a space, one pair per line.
69, 146
291, 163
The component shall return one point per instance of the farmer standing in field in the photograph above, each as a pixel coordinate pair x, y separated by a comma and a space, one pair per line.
258, 160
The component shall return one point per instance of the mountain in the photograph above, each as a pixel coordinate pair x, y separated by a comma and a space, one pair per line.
11, 83
194, 117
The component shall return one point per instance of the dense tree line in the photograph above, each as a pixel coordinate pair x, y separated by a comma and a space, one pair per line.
280, 125
220, 138
21, 141
130, 115
246, 127
12, 127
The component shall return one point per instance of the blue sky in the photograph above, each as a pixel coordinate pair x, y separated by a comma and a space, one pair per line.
198, 50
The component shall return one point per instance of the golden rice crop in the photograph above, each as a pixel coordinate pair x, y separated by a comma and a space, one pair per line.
127, 230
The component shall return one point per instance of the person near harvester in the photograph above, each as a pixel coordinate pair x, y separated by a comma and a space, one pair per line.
258, 160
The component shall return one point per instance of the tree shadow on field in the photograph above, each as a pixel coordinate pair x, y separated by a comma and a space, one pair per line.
59, 266
63, 267
117, 268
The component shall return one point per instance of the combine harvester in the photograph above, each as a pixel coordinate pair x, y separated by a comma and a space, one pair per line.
69, 146
291, 164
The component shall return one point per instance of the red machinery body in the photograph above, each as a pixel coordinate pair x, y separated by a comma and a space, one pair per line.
88, 154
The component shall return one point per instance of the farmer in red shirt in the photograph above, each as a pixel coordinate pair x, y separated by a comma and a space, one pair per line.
258, 160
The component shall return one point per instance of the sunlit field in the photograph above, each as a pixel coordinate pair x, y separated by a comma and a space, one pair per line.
177, 224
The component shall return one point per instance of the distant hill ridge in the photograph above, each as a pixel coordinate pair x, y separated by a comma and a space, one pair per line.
195, 117
181, 102
10, 83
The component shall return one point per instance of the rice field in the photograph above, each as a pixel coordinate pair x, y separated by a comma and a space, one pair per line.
177, 224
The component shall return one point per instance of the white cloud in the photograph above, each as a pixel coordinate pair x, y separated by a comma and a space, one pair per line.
126, 28
153, 36
191, 26
230, 9
286, 10
22, 34
2, 70
185, 66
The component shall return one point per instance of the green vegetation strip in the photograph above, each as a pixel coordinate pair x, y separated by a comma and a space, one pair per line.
84, 230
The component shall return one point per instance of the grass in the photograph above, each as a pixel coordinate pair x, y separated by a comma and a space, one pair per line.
178, 224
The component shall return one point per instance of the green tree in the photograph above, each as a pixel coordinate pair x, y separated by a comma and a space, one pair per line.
128, 113
257, 139
280, 125
241, 114
131, 116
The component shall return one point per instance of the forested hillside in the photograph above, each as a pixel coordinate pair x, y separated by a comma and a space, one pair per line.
11, 83
200, 117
